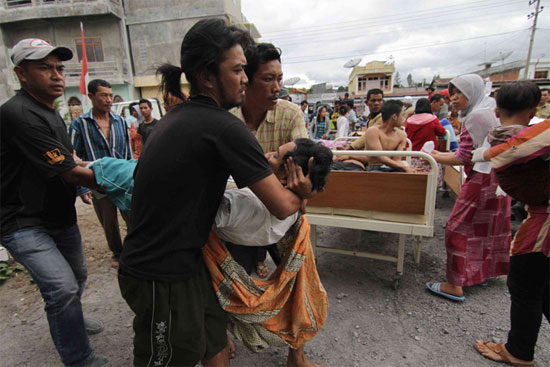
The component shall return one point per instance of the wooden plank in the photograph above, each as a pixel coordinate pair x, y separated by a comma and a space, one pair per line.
452, 178
392, 192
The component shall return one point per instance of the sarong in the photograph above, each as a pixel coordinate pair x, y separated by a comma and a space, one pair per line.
287, 309
477, 235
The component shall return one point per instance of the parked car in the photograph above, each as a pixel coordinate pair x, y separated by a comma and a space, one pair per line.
123, 108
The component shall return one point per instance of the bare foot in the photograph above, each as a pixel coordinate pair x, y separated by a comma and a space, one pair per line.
498, 353
297, 358
455, 290
261, 269
232, 348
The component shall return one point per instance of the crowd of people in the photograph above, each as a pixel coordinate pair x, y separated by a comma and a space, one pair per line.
224, 177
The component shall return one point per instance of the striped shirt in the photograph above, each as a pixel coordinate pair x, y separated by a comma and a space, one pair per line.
281, 125
91, 144
528, 144
534, 142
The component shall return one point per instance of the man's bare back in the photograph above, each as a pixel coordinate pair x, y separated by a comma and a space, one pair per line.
384, 137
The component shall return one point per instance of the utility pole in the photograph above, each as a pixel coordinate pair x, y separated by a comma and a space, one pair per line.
534, 15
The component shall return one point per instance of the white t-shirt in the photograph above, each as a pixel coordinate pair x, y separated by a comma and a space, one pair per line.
243, 219
343, 127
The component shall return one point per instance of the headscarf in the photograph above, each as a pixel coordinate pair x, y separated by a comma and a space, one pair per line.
479, 115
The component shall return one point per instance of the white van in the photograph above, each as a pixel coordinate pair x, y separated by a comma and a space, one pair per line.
123, 108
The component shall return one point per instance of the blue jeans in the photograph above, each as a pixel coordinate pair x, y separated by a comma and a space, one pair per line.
55, 259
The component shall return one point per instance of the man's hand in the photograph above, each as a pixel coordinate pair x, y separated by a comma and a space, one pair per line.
86, 198
296, 181
77, 159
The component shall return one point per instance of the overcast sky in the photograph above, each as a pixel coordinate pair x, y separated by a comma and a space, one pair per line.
424, 37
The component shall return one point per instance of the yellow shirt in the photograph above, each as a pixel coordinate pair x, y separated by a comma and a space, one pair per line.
281, 125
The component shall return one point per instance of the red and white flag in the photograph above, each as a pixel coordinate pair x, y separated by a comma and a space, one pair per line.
84, 75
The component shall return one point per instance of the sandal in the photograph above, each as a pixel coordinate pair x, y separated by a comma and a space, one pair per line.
261, 269
498, 353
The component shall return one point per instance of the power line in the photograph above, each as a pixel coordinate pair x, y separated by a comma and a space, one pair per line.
403, 17
355, 34
369, 52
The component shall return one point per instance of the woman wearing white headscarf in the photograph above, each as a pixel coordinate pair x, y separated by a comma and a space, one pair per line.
477, 235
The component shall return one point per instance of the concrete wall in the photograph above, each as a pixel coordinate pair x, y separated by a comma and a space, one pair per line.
115, 68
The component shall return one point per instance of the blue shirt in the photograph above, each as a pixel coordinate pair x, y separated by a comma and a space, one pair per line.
91, 144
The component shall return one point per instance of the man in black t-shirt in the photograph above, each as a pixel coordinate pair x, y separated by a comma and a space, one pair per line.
179, 184
145, 128
37, 195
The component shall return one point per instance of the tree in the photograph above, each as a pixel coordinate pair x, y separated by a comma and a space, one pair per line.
397, 79
410, 81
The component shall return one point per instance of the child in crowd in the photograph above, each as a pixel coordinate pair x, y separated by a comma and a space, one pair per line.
520, 157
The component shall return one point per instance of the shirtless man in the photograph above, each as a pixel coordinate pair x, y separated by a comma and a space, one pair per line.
387, 136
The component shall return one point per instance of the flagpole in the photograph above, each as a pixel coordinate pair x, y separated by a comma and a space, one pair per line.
84, 74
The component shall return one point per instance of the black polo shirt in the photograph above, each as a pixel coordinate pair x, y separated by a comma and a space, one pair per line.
34, 149
179, 183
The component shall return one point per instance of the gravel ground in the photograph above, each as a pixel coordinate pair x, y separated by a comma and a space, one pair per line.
369, 323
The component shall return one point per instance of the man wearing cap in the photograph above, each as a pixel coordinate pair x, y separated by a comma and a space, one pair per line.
37, 195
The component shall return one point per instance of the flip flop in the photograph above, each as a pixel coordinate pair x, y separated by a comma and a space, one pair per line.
498, 353
436, 288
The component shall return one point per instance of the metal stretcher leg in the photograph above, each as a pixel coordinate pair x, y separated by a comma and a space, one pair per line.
400, 261
417, 247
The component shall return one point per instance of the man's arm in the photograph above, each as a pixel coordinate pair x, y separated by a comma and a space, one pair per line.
81, 176
373, 143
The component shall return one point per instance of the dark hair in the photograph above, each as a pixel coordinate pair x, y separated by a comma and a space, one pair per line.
143, 100
545, 90
258, 54
391, 107
320, 167
518, 96
436, 97
303, 103
132, 105
349, 102
374, 91
343, 110
319, 112
422, 106
170, 81
203, 47
337, 102
94, 84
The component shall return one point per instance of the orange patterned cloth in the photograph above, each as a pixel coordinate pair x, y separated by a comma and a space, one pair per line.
289, 308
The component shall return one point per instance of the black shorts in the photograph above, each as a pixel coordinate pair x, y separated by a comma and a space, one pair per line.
176, 323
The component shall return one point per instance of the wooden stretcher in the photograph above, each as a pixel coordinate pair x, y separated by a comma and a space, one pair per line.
393, 202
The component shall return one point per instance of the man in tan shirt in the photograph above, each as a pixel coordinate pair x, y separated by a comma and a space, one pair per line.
543, 109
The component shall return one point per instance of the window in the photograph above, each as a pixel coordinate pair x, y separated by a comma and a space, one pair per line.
16, 3
361, 84
94, 49
541, 74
